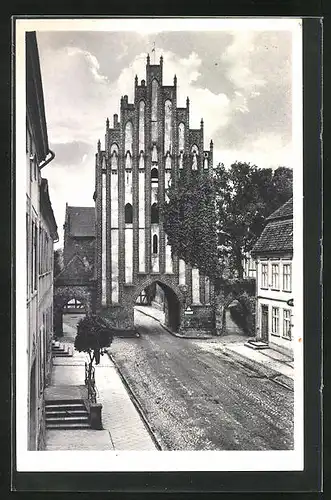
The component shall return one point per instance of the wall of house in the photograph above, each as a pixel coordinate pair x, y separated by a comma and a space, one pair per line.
39, 256
274, 294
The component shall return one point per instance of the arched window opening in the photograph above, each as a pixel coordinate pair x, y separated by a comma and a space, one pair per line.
167, 125
128, 214
128, 161
141, 160
205, 163
168, 162
155, 86
128, 137
181, 157
154, 175
114, 149
141, 126
114, 156
181, 137
195, 152
155, 244
154, 214
154, 154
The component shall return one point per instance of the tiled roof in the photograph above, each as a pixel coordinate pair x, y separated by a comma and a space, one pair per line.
277, 236
81, 221
285, 210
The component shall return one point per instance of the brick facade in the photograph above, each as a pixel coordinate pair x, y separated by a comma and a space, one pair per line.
147, 136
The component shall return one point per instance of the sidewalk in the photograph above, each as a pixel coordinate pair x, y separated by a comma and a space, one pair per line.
268, 362
123, 427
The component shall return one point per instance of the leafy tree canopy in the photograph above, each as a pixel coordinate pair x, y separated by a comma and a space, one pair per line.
92, 337
189, 219
212, 222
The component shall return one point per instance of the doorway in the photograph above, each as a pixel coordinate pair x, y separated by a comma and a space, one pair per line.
264, 323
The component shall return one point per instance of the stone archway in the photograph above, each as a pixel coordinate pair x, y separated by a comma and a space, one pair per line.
173, 304
62, 295
244, 292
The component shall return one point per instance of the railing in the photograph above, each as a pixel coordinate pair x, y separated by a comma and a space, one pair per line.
90, 383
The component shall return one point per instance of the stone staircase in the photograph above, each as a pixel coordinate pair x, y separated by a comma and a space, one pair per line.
59, 349
66, 414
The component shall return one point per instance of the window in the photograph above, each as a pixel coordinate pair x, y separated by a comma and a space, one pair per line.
155, 243
264, 276
128, 137
34, 256
27, 256
275, 276
167, 125
128, 161
41, 247
155, 86
154, 175
154, 214
128, 213
287, 278
141, 126
181, 137
287, 324
114, 156
275, 321
194, 152
181, 159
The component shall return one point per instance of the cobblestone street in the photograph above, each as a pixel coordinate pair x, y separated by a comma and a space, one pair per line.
195, 399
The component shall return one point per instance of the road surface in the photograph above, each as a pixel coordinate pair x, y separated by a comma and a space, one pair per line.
195, 399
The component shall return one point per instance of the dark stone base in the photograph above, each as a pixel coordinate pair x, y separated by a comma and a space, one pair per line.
95, 416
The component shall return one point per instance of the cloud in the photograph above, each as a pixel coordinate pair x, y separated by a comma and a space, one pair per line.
92, 63
258, 152
213, 108
70, 153
239, 83
238, 57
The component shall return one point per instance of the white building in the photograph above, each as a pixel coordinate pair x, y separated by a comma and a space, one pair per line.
274, 254
41, 233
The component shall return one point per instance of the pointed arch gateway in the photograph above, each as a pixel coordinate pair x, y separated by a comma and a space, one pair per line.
173, 300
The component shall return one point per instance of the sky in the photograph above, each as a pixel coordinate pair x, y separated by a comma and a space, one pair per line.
239, 82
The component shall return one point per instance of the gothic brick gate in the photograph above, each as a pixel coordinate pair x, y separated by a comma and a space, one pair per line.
122, 315
244, 292
146, 148
74, 282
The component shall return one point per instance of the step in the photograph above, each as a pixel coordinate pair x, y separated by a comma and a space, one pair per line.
65, 407
68, 426
67, 419
61, 402
63, 413
63, 353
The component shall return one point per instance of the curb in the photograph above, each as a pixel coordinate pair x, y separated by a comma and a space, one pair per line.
173, 333
265, 371
270, 373
136, 403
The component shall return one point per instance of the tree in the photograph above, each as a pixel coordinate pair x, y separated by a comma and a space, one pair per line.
189, 219
212, 222
58, 261
246, 196
92, 337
